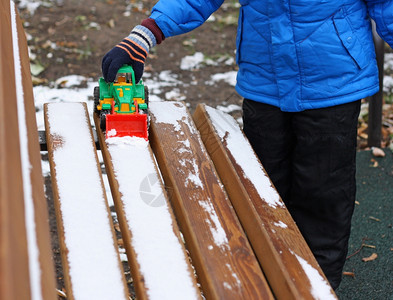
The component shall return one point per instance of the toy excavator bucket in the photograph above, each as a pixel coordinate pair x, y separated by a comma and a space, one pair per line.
118, 125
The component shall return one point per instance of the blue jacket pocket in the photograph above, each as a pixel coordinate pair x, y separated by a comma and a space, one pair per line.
331, 58
350, 40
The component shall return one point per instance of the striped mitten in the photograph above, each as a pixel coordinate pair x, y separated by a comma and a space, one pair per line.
132, 50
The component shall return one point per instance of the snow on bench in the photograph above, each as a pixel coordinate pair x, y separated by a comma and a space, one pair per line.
224, 261
159, 264
287, 262
26, 267
91, 262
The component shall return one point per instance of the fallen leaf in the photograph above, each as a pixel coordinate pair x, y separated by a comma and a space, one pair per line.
378, 152
352, 274
37, 81
51, 30
117, 227
61, 293
362, 128
375, 163
363, 136
374, 219
370, 258
36, 69
111, 23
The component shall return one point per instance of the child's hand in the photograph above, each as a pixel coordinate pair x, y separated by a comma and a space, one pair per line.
132, 50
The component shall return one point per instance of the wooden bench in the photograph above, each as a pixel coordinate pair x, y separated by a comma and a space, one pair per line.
229, 235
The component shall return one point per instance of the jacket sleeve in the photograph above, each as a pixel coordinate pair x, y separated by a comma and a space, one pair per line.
382, 13
175, 17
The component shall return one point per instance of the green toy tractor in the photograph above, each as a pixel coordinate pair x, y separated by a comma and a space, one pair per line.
122, 105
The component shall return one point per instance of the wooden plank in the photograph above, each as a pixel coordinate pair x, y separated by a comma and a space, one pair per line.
38, 213
158, 261
289, 265
14, 272
91, 262
24, 221
224, 261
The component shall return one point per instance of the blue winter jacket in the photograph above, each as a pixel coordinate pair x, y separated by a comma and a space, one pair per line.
299, 54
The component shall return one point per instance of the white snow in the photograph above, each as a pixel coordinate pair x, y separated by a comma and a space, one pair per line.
229, 131
219, 235
69, 81
45, 168
230, 108
94, 265
32, 244
388, 84
192, 62
175, 95
173, 114
198, 60
280, 224
388, 65
228, 77
320, 289
159, 252
46, 94
30, 5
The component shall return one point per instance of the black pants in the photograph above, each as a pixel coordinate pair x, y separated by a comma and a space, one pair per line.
310, 157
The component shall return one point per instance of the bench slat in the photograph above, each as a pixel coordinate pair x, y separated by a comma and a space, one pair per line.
159, 265
91, 262
14, 272
26, 267
224, 261
287, 261
39, 212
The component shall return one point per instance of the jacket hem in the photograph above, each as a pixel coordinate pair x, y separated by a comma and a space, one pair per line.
310, 104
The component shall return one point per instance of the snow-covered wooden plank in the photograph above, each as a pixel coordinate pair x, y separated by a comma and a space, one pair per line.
91, 262
225, 263
14, 272
287, 261
26, 266
159, 264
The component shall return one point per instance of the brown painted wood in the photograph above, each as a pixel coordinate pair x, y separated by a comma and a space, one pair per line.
274, 246
14, 271
138, 278
48, 284
227, 270
14, 208
53, 142
51, 145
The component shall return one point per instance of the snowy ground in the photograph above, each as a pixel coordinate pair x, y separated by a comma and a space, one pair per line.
66, 89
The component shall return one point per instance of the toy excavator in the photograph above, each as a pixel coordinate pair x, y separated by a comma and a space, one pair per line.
122, 105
